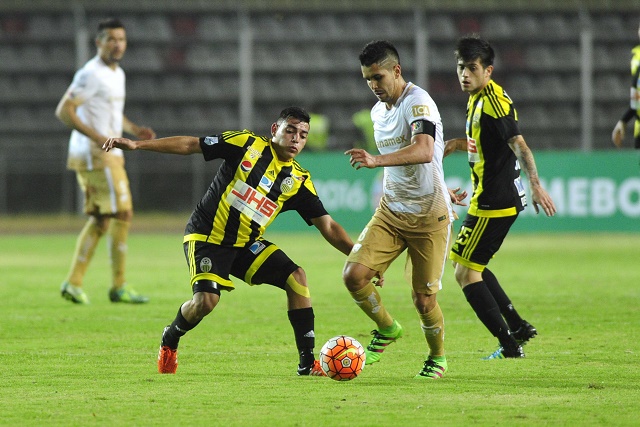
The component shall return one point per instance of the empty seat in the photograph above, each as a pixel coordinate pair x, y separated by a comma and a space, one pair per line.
557, 27
440, 27
34, 57
62, 57
551, 86
156, 27
28, 86
497, 26
174, 86
540, 57
9, 58
526, 25
212, 57
218, 26
143, 57
610, 27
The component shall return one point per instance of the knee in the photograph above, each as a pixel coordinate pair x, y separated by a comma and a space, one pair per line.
125, 216
101, 224
355, 277
204, 303
424, 303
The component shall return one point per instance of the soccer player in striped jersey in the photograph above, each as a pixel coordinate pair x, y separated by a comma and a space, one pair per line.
258, 180
496, 152
634, 107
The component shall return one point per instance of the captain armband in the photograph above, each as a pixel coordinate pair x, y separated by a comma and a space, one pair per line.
423, 126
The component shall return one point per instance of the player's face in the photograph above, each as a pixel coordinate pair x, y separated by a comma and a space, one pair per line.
112, 44
289, 138
473, 77
384, 80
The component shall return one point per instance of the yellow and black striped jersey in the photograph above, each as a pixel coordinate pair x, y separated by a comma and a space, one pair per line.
495, 172
250, 189
635, 87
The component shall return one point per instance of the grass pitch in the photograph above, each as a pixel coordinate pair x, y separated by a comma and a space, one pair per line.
67, 365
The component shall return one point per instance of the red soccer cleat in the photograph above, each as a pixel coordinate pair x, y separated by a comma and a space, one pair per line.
167, 360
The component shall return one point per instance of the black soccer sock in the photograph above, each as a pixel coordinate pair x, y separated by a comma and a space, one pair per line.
177, 329
506, 307
487, 310
302, 321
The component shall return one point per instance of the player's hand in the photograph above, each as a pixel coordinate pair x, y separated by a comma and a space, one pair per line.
457, 197
618, 134
359, 158
378, 280
122, 143
145, 133
542, 198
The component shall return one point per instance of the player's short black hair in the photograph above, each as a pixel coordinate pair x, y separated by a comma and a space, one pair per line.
377, 51
108, 24
472, 47
295, 112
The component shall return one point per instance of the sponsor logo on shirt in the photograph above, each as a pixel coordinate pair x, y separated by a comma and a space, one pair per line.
257, 247
420, 110
472, 150
211, 140
246, 165
266, 183
251, 203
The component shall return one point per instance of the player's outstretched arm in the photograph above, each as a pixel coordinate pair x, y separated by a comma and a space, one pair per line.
539, 195
172, 145
455, 144
333, 233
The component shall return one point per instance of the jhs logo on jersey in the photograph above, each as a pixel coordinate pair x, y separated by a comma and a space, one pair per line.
211, 140
251, 202
420, 110
472, 150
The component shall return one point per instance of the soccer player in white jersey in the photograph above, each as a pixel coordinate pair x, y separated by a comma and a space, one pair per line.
415, 212
93, 108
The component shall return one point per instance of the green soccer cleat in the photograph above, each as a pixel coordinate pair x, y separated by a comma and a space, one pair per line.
127, 295
380, 341
433, 369
73, 293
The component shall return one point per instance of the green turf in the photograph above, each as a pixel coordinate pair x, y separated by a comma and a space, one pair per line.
63, 364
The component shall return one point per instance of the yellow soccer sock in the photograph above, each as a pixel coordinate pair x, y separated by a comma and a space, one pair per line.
433, 328
118, 233
85, 248
368, 299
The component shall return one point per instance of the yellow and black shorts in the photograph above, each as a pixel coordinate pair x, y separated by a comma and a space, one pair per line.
260, 262
479, 239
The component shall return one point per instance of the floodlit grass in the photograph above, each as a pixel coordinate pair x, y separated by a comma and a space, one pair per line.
66, 365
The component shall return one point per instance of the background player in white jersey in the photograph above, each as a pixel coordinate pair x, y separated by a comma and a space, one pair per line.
93, 108
415, 211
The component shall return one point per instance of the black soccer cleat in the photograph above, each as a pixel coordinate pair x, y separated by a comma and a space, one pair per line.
506, 353
524, 333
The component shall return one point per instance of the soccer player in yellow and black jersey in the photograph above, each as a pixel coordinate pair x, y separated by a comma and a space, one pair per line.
258, 180
496, 152
633, 112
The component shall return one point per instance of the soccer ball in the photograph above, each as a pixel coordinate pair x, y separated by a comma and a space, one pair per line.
342, 358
